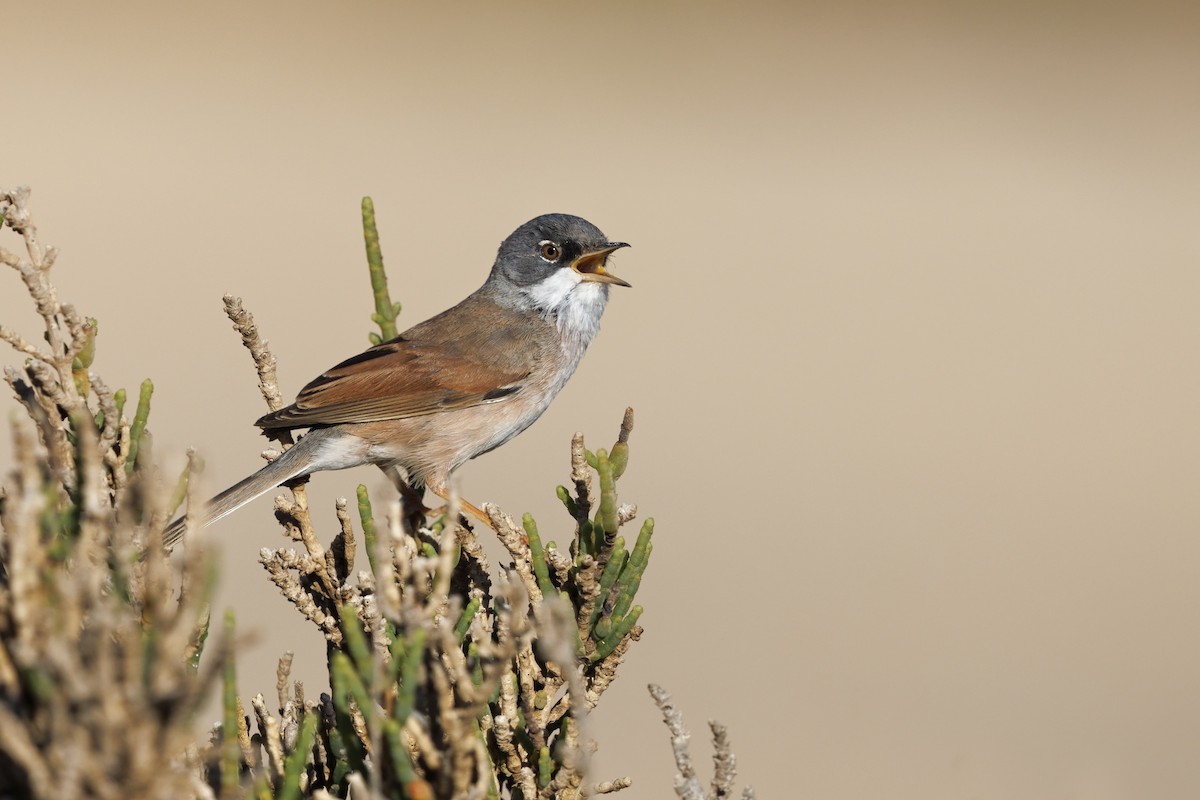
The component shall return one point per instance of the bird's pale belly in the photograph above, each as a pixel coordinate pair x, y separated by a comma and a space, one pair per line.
432, 446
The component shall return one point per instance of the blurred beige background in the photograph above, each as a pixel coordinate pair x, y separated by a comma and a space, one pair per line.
912, 339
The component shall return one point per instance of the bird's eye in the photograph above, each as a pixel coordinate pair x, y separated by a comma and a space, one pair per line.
550, 251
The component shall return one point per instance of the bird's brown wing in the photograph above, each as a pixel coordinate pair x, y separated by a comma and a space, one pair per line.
436, 366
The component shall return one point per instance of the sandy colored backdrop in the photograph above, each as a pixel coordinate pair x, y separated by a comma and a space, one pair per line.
912, 339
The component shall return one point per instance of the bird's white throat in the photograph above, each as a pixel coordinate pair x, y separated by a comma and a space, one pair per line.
574, 304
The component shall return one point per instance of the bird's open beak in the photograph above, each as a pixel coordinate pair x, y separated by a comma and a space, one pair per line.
590, 265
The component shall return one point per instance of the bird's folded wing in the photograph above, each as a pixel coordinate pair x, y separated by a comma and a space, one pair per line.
395, 380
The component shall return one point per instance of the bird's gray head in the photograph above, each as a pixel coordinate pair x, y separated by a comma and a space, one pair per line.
556, 264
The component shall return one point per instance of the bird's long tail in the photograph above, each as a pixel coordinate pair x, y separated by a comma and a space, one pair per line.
296, 461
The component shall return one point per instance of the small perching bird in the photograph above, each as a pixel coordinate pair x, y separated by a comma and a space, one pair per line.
454, 386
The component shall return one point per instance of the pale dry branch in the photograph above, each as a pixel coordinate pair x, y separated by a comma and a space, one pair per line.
264, 361
581, 476
687, 784
513, 539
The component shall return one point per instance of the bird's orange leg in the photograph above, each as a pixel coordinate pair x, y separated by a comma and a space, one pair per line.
414, 502
463, 505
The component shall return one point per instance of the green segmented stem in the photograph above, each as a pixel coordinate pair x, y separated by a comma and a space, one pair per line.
410, 665
397, 649
231, 751
340, 753
138, 427
262, 788
356, 641
619, 631
545, 768
628, 588
619, 458
631, 576
606, 517
351, 686
180, 491
385, 310
612, 571
477, 669
565, 496
643, 546
464, 620
367, 516
537, 555
345, 685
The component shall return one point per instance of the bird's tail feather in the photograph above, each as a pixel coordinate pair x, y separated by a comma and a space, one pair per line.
293, 463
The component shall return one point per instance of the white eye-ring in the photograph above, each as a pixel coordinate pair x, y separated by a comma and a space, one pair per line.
549, 250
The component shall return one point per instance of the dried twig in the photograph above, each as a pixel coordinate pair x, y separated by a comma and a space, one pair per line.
687, 785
